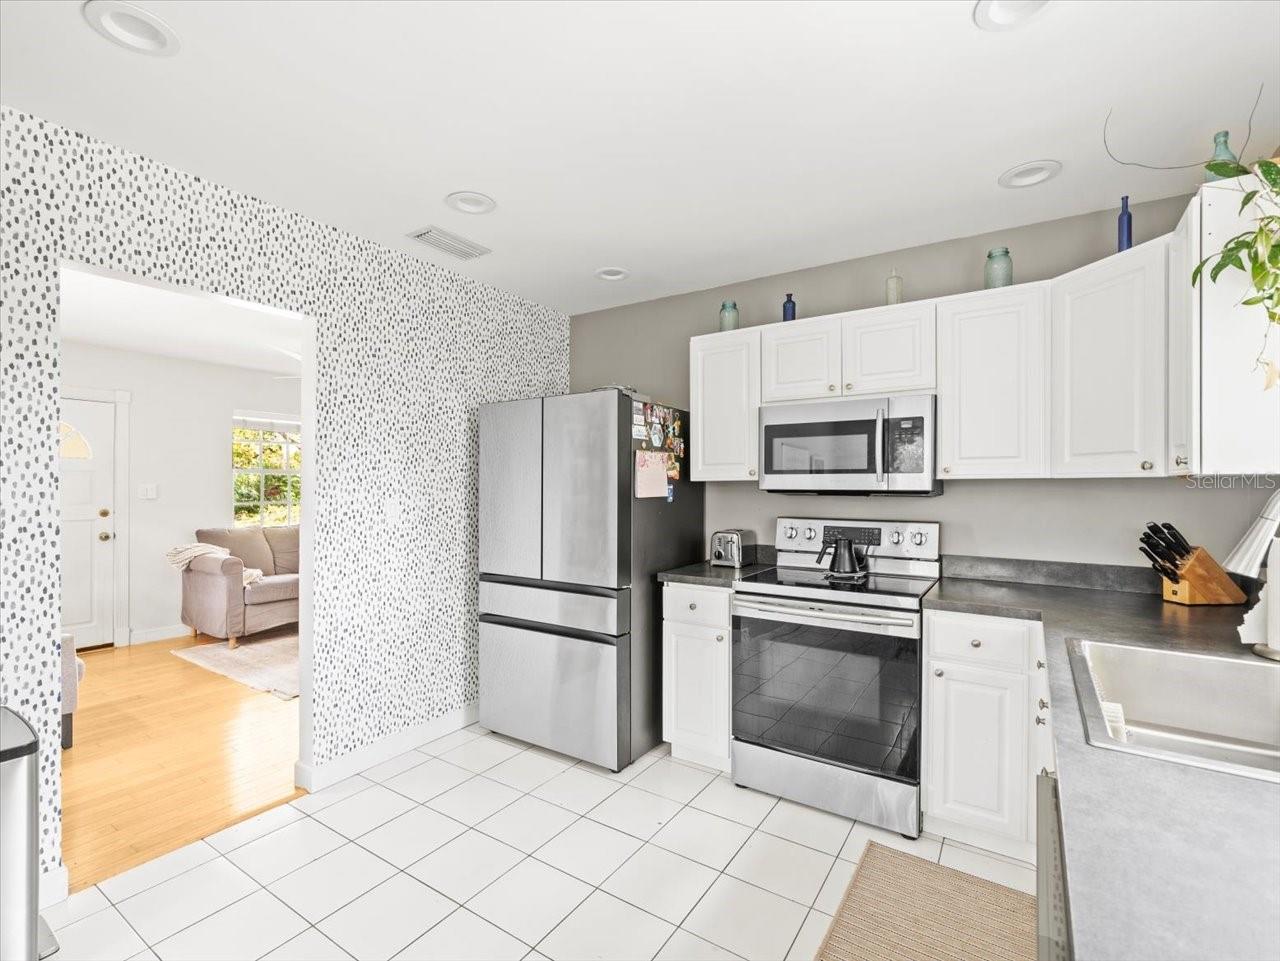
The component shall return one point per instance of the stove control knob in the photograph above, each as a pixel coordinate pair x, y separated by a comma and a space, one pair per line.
810, 533
895, 537
918, 537
790, 533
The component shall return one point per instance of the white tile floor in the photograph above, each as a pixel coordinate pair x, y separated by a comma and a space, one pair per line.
476, 846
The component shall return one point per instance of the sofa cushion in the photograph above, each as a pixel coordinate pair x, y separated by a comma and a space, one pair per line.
246, 543
284, 547
273, 587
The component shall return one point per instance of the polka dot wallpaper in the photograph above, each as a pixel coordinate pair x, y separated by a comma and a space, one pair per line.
405, 352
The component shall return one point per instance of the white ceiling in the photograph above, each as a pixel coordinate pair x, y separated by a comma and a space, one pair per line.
153, 320
692, 143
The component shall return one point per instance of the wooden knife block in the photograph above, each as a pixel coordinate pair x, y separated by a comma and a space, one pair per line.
1203, 582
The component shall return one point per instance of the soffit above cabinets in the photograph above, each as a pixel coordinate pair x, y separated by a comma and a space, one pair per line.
692, 144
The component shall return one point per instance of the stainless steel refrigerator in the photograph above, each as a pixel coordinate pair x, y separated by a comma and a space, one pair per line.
570, 611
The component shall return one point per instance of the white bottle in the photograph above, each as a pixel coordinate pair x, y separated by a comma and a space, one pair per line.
893, 288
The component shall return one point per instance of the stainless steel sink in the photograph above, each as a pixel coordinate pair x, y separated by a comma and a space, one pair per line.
1220, 713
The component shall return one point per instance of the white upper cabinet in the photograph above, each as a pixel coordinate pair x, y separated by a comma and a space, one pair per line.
801, 359
993, 383
724, 397
1182, 446
1109, 366
889, 349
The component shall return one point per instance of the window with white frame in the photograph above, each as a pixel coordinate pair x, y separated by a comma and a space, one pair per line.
266, 470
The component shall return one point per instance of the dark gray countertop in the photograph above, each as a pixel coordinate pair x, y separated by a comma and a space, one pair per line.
706, 575
1162, 860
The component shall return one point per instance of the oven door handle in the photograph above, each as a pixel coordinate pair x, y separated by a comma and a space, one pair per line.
878, 620
879, 445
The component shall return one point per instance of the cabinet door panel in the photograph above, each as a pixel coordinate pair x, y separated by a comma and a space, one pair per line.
978, 766
695, 688
993, 384
800, 360
888, 349
1182, 453
1109, 366
724, 397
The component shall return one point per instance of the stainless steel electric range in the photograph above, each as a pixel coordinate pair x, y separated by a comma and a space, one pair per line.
826, 669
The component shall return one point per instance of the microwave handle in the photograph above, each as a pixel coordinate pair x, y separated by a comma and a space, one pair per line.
879, 445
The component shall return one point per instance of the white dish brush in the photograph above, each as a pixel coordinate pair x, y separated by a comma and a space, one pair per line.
1113, 714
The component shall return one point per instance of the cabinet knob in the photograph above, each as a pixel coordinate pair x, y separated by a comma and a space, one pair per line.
831, 386
103, 512
751, 472
937, 672
1147, 465
1180, 461
975, 643
693, 606
1040, 720
946, 470
719, 637
848, 386
1044, 705
104, 536
1039, 665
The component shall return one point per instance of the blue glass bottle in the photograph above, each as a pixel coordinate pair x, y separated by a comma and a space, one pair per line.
788, 309
729, 315
1124, 226
1221, 151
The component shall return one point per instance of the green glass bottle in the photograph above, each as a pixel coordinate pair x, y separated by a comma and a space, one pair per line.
1221, 151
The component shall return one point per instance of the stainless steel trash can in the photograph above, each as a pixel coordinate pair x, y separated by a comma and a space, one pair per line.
19, 840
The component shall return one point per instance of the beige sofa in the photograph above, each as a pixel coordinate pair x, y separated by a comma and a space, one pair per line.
214, 600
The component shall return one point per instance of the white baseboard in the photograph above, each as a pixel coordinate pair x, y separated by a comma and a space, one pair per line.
159, 634
316, 777
53, 887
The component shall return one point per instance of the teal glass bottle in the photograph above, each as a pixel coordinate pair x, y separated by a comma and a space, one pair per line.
729, 315
999, 268
1221, 151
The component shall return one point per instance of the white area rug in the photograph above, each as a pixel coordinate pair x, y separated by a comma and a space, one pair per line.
270, 664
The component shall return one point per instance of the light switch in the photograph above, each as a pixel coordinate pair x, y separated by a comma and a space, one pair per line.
148, 492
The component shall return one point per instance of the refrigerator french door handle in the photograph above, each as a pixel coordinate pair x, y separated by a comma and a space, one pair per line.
879, 445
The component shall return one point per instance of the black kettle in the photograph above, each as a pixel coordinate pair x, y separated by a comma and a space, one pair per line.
845, 559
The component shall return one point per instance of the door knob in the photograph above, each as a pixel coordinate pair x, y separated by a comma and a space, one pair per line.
104, 512
937, 672
104, 536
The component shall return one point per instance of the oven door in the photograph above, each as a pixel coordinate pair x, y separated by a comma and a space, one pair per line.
832, 682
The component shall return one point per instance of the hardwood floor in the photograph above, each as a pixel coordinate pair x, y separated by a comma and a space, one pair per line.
165, 753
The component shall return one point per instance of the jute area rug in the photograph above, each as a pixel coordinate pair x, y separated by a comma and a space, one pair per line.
270, 664
902, 908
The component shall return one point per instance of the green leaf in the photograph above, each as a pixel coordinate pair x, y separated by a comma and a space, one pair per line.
1254, 301
1223, 263
1248, 199
1226, 168
1269, 171
1195, 274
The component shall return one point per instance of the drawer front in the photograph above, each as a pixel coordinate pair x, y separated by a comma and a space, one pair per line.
694, 605
603, 614
558, 692
994, 641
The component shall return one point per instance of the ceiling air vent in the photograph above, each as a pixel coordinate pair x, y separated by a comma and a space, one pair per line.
441, 239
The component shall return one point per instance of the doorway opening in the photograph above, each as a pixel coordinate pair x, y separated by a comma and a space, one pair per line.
186, 578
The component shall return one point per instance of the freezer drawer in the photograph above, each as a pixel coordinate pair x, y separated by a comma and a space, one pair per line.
605, 612
558, 691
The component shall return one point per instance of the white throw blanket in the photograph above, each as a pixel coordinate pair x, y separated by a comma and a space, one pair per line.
182, 556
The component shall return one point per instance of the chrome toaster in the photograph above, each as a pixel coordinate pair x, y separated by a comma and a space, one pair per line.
733, 548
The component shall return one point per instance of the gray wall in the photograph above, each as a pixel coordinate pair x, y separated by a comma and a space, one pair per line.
646, 345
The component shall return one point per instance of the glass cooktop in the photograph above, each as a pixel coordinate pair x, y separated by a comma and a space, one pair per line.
885, 590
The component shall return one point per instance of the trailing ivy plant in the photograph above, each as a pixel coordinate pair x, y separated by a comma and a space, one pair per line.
1256, 251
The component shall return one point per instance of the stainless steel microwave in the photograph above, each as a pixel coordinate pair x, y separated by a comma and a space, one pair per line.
856, 445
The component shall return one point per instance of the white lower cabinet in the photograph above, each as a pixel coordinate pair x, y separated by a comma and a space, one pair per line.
985, 728
696, 667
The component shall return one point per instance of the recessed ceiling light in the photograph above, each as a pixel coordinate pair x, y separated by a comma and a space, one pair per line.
613, 273
131, 27
1029, 174
1005, 14
470, 202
